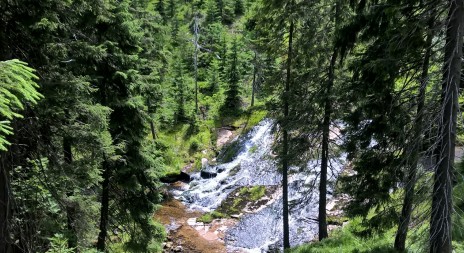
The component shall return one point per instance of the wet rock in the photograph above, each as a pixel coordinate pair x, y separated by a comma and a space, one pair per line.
168, 245
208, 174
178, 249
220, 169
230, 151
274, 248
181, 177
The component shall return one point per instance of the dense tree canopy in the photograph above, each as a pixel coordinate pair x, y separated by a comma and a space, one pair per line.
101, 99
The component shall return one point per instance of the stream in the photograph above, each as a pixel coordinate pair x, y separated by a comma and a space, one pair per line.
259, 228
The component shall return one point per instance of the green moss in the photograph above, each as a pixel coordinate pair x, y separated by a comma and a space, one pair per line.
206, 218
253, 149
243, 197
209, 217
257, 192
218, 215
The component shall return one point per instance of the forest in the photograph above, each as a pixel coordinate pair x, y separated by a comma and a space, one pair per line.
231, 126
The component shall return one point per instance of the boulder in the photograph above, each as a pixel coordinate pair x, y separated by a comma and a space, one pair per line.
207, 174
204, 163
182, 177
220, 169
224, 135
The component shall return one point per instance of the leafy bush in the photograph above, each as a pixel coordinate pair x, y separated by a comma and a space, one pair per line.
59, 244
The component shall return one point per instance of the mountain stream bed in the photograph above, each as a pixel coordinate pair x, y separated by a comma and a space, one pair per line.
246, 194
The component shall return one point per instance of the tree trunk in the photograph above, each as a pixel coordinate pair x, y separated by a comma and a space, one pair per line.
253, 88
4, 206
196, 64
285, 141
325, 149
70, 209
152, 128
441, 224
104, 212
413, 163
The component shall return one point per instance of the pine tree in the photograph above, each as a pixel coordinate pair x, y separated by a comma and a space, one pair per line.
441, 224
239, 7
131, 171
179, 87
377, 133
160, 8
80, 124
233, 101
415, 151
172, 9
213, 14
214, 79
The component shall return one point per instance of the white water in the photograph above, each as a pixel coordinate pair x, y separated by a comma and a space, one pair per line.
255, 165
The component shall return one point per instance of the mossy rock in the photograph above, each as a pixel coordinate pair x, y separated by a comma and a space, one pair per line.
230, 151
209, 217
250, 198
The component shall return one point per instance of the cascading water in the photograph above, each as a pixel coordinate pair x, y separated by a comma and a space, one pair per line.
254, 165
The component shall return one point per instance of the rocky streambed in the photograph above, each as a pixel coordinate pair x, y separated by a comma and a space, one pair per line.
236, 206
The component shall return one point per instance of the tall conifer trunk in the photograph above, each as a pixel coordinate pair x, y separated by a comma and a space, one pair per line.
4, 205
104, 211
441, 224
325, 149
413, 163
253, 86
195, 60
70, 209
285, 140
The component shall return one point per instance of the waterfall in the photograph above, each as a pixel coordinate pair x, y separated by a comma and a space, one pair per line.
255, 165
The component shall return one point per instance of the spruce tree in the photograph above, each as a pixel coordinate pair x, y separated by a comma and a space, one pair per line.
233, 100
441, 223
130, 172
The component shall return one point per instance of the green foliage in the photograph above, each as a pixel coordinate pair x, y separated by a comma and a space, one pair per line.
233, 100
17, 87
344, 240
209, 217
59, 244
